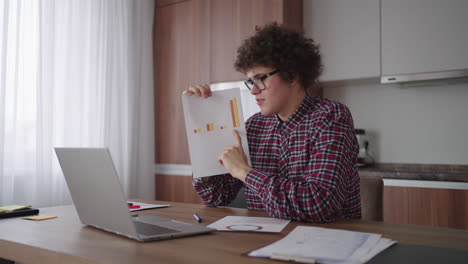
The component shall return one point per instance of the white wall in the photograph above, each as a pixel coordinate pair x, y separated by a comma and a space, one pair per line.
426, 124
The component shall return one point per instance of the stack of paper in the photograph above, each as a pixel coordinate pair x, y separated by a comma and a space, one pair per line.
323, 245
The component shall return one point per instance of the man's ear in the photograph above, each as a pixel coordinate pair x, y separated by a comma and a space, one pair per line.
295, 80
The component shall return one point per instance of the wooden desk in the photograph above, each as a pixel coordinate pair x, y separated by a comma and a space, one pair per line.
66, 240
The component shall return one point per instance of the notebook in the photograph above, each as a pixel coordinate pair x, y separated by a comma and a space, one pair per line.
100, 201
19, 212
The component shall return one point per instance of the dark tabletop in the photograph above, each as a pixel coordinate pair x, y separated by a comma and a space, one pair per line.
426, 172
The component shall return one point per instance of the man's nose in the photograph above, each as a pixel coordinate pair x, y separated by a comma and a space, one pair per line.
254, 90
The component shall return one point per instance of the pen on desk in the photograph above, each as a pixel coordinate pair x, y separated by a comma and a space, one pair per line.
197, 217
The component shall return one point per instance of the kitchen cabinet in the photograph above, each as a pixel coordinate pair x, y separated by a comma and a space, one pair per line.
349, 36
423, 194
397, 40
423, 39
426, 206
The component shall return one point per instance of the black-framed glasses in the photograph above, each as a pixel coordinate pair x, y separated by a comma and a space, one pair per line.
258, 82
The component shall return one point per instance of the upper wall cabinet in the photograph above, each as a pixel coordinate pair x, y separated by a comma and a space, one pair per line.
349, 36
397, 40
424, 39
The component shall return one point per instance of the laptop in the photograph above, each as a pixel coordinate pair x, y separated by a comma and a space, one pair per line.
100, 201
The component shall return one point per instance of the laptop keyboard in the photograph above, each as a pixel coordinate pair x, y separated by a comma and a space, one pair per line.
151, 229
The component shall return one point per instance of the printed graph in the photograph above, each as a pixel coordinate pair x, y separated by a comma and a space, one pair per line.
209, 127
234, 110
209, 123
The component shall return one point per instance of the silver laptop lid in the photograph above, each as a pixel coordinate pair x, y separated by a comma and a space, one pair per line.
96, 190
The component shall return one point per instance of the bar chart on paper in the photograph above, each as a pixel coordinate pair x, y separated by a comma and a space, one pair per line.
234, 108
209, 123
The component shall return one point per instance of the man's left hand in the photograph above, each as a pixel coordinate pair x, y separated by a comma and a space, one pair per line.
234, 159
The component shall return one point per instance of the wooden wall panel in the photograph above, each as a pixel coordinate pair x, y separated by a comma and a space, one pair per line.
292, 14
176, 188
222, 41
169, 29
182, 59
426, 206
249, 14
232, 21
162, 3
200, 45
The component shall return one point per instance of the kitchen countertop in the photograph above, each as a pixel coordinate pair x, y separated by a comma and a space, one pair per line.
425, 172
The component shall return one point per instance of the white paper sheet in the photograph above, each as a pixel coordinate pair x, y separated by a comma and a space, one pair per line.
251, 224
209, 123
326, 246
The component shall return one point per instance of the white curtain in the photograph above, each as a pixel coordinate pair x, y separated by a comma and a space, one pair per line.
74, 73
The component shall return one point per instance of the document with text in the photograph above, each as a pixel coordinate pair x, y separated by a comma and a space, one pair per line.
209, 123
323, 245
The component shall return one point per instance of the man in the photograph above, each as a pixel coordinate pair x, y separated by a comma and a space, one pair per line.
303, 149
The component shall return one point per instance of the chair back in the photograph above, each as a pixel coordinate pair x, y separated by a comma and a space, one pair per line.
239, 201
372, 198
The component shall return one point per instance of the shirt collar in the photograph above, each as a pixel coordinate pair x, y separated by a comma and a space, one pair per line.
298, 116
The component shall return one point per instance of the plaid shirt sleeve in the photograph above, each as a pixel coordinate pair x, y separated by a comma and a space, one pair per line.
319, 183
217, 190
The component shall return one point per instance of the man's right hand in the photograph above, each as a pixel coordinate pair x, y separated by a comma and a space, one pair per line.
201, 90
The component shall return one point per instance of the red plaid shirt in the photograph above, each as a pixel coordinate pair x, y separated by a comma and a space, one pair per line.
305, 168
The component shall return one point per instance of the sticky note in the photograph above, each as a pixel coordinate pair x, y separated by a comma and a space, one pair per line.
40, 217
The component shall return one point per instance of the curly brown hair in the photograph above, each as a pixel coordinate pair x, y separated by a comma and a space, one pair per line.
284, 49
